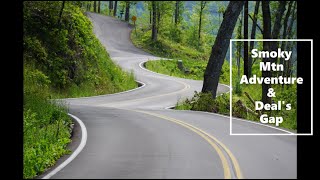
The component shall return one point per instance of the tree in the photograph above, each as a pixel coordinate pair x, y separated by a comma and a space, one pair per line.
245, 43
94, 6
110, 7
266, 47
202, 6
154, 22
176, 14
270, 45
287, 65
158, 4
115, 8
238, 46
277, 26
88, 6
98, 6
127, 13
60, 14
220, 47
150, 15
277, 21
253, 33
284, 32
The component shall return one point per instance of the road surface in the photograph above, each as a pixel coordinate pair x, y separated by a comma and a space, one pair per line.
132, 135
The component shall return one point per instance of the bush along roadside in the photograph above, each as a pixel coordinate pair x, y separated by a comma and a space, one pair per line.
62, 58
46, 125
204, 102
242, 106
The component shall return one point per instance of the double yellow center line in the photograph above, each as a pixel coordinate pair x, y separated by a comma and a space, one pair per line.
214, 142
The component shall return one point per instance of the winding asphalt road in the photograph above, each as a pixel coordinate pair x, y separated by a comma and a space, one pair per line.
132, 135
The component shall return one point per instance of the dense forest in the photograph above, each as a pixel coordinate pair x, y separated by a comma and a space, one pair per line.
63, 58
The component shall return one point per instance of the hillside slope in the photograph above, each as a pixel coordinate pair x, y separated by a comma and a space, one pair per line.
62, 58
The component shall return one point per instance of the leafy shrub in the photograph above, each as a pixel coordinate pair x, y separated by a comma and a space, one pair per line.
46, 125
204, 102
60, 60
68, 53
196, 67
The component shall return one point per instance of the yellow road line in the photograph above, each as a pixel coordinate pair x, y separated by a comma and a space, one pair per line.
203, 134
186, 86
232, 157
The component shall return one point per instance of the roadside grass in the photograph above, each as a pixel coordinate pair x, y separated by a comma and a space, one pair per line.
46, 125
195, 69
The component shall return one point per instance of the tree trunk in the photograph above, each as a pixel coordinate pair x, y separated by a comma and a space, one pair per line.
94, 6
238, 44
150, 16
202, 6
277, 24
289, 44
220, 47
176, 15
154, 22
98, 6
158, 16
110, 7
266, 47
284, 32
115, 8
277, 27
253, 32
127, 14
60, 14
245, 43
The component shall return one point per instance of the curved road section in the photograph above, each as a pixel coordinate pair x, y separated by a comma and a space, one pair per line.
132, 135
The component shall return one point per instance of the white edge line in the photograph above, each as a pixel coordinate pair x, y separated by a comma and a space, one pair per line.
75, 153
140, 65
103, 95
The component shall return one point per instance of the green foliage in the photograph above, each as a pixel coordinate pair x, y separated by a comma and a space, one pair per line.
61, 59
164, 47
205, 102
238, 89
46, 125
221, 105
69, 54
170, 35
196, 69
